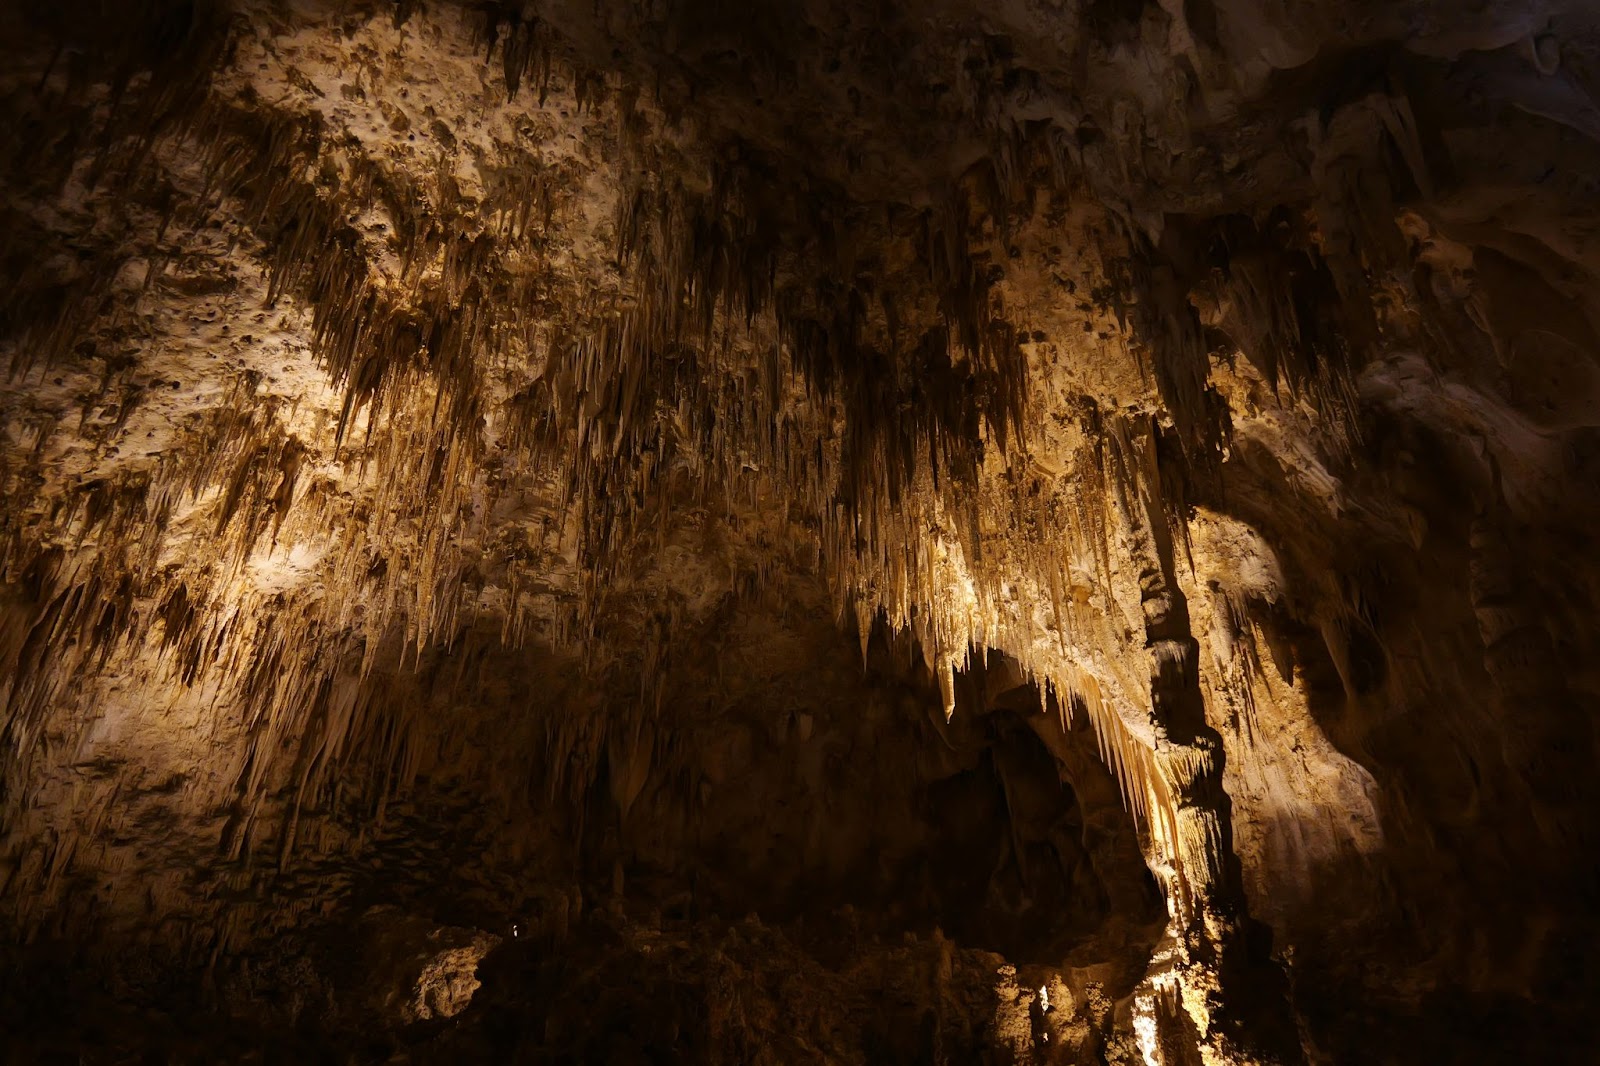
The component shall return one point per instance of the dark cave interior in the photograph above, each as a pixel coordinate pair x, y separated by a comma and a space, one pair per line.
1044, 532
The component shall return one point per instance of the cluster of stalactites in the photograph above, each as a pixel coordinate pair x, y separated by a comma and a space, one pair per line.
705, 358
770, 337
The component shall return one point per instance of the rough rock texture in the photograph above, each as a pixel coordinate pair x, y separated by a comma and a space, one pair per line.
1039, 531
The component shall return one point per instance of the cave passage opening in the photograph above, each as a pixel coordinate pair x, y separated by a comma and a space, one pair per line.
838, 802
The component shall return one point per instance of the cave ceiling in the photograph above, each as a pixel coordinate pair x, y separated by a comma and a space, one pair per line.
569, 456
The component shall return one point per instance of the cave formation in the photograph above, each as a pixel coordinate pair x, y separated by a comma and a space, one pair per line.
1053, 531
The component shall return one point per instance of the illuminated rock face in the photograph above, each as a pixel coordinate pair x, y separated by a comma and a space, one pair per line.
1030, 532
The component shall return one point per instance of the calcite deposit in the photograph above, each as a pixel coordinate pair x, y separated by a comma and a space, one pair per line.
1043, 531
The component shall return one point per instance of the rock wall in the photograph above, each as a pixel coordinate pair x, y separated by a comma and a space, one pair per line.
453, 453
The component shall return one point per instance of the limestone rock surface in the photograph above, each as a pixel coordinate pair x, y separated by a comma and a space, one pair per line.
1043, 531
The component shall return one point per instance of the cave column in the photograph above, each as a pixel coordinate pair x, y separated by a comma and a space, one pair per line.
1194, 979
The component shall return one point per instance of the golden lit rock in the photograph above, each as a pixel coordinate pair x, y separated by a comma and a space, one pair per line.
1046, 532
